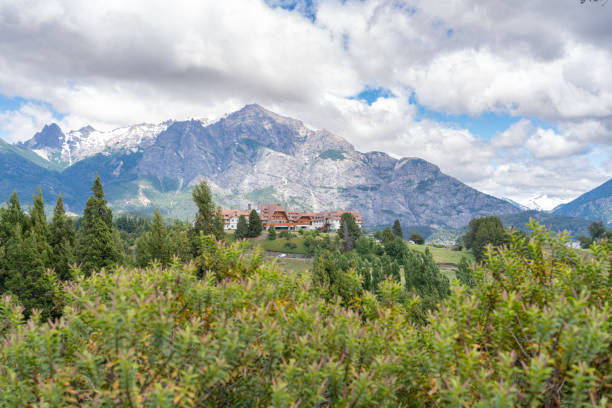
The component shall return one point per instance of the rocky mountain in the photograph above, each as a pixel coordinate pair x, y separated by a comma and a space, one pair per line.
256, 156
65, 149
593, 205
517, 205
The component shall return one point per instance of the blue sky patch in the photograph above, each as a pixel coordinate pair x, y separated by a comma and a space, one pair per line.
305, 7
13, 104
484, 126
370, 95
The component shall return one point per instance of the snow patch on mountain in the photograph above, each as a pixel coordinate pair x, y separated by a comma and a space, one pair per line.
88, 142
514, 203
541, 202
80, 144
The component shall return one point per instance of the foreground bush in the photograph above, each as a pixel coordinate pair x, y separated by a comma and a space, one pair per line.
534, 330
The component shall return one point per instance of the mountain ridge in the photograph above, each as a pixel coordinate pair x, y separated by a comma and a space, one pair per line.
253, 156
595, 205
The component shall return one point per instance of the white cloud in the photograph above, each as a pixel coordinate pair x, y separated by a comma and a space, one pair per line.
515, 135
20, 125
546, 143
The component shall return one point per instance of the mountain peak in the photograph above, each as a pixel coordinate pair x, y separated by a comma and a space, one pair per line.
49, 137
84, 131
256, 112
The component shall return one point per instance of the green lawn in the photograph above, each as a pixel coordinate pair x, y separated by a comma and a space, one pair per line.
444, 255
278, 245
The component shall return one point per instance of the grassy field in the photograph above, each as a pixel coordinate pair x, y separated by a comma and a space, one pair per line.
444, 255
279, 245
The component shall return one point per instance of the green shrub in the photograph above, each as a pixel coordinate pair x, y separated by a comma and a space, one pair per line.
534, 330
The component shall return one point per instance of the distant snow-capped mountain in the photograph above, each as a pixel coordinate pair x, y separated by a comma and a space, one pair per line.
514, 203
542, 202
52, 144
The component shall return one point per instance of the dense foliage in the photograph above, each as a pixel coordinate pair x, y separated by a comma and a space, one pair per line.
597, 231
255, 225
349, 231
271, 233
35, 254
482, 232
416, 238
397, 229
98, 245
242, 228
533, 330
208, 219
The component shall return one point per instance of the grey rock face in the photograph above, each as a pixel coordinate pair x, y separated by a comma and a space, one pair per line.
50, 137
256, 156
593, 205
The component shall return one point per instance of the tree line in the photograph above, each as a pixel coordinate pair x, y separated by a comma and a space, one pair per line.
35, 254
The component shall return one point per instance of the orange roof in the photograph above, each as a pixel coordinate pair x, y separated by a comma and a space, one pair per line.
267, 210
227, 214
337, 215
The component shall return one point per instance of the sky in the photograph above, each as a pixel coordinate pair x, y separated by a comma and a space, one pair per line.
512, 97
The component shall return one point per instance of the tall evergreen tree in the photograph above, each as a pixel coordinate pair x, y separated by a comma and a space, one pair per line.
387, 235
349, 231
242, 229
97, 245
11, 216
22, 273
61, 239
39, 231
255, 226
397, 229
154, 245
272, 233
209, 220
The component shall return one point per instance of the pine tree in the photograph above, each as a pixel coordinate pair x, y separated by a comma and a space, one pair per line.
97, 246
209, 220
255, 226
349, 231
61, 239
397, 229
242, 229
387, 235
11, 216
23, 273
39, 231
154, 245
272, 233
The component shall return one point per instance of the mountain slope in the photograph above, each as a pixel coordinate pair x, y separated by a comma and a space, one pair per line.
254, 156
53, 145
593, 205
23, 171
